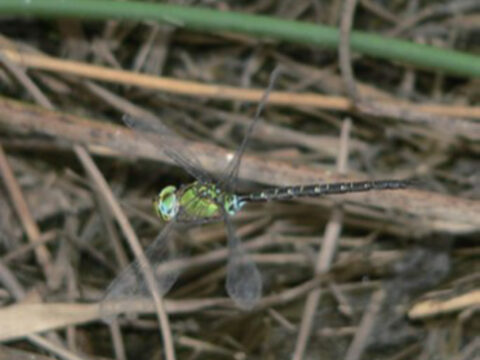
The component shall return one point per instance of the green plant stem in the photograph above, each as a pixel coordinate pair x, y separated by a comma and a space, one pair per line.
424, 56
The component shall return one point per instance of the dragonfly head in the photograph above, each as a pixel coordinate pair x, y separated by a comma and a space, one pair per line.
166, 203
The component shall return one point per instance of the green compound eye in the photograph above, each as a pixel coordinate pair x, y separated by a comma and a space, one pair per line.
166, 204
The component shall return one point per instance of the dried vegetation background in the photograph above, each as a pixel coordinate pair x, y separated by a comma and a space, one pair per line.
381, 275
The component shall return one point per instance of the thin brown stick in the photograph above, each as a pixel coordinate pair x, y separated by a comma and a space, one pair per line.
359, 341
469, 350
276, 133
95, 174
54, 348
439, 122
379, 10
41, 317
106, 193
11, 283
11, 353
344, 306
284, 322
326, 255
21, 207
22, 77
435, 307
214, 91
206, 347
434, 9
366, 326
18, 200
119, 252
407, 353
118, 344
45, 238
49, 316
344, 55
431, 211
296, 147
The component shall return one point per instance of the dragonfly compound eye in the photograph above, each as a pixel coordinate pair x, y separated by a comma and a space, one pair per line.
166, 204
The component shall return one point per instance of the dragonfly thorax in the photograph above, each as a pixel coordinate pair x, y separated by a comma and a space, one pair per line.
195, 201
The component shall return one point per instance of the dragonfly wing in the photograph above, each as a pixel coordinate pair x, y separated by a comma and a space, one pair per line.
172, 145
244, 282
130, 285
230, 174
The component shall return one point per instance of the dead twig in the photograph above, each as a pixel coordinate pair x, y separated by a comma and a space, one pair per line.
366, 326
432, 211
97, 177
344, 56
31, 228
109, 198
434, 307
327, 253
42, 62
11, 283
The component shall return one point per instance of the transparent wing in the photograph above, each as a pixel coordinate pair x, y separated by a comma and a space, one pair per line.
169, 143
130, 284
231, 172
244, 282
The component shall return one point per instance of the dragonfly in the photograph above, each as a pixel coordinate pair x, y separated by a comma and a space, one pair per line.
208, 199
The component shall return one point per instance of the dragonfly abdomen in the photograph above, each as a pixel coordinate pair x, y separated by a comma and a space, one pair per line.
315, 190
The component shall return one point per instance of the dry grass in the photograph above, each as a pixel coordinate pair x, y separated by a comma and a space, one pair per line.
378, 275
